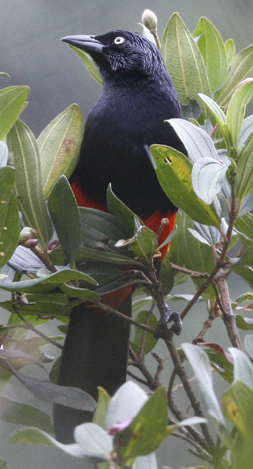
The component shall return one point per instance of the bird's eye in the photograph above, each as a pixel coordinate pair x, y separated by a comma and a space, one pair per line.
119, 40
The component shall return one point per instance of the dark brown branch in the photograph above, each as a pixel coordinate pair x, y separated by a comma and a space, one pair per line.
138, 363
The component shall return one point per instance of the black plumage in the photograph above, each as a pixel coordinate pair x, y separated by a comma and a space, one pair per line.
137, 97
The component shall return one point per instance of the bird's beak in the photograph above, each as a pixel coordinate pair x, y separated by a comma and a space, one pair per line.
86, 43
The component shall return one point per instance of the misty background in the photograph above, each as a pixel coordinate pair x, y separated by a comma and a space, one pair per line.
32, 54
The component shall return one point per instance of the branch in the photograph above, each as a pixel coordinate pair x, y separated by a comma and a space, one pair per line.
228, 315
108, 309
138, 363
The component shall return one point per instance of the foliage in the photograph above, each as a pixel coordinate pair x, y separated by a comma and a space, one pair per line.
213, 239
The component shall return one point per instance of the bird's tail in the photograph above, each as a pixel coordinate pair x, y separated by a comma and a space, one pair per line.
94, 354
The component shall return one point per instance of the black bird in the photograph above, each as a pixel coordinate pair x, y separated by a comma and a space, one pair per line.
137, 97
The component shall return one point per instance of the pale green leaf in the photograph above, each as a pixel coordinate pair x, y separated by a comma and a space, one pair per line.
202, 369
28, 186
59, 145
173, 170
243, 369
241, 68
9, 230
207, 178
236, 109
193, 254
213, 51
16, 412
65, 215
12, 102
230, 51
57, 278
244, 173
219, 116
246, 132
7, 178
196, 141
184, 60
88, 62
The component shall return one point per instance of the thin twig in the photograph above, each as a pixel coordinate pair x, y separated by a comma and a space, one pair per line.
35, 330
192, 273
138, 363
200, 337
107, 309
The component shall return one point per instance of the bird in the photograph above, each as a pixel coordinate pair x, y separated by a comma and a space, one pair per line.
137, 99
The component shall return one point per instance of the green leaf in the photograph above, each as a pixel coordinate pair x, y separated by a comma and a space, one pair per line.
237, 404
220, 361
102, 256
88, 62
230, 51
186, 422
244, 173
192, 110
244, 272
100, 226
143, 244
219, 116
142, 337
82, 293
59, 145
207, 178
236, 109
9, 230
196, 141
51, 281
202, 368
213, 51
245, 225
93, 442
52, 304
241, 68
12, 102
173, 170
99, 417
246, 132
45, 390
184, 60
246, 258
117, 208
7, 178
245, 324
23, 414
65, 215
148, 429
193, 254
22, 144
243, 369
32, 436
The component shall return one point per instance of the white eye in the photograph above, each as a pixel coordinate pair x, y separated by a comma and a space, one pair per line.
119, 40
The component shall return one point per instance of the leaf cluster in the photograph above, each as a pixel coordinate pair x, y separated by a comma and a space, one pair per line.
67, 252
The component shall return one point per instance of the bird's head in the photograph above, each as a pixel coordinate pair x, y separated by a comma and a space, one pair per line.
120, 51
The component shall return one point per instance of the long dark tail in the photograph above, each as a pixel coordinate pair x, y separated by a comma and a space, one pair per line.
94, 354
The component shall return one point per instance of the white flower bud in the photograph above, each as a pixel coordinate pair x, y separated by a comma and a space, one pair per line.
149, 19
27, 233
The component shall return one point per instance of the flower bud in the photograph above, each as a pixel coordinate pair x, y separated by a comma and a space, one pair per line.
27, 233
149, 19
